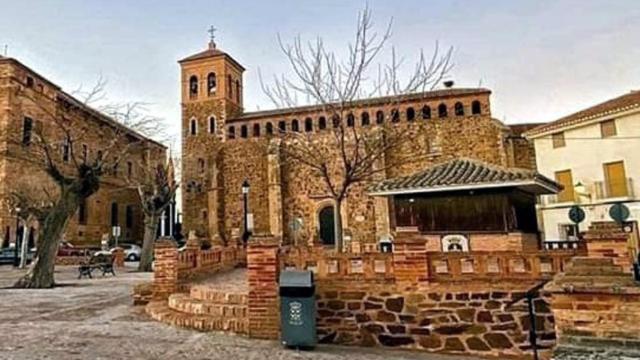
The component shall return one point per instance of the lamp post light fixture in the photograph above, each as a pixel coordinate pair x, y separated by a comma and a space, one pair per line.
15, 246
245, 195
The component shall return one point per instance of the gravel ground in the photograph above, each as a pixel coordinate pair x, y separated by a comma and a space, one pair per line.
94, 319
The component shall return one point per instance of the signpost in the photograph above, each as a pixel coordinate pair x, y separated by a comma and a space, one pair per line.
116, 233
577, 215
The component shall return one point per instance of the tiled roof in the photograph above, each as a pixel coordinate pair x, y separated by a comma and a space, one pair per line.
610, 107
209, 53
462, 173
426, 95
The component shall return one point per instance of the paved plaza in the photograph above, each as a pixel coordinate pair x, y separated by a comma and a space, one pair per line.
94, 319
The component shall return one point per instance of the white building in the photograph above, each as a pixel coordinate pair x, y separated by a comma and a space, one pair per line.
595, 155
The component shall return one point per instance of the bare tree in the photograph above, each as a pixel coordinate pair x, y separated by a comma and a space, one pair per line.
56, 149
351, 154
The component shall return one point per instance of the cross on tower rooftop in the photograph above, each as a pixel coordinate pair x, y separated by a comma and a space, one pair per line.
212, 33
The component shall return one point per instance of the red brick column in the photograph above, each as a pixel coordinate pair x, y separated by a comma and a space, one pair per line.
410, 261
118, 255
165, 271
263, 303
608, 240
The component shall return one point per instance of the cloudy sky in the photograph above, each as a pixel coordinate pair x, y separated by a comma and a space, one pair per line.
542, 59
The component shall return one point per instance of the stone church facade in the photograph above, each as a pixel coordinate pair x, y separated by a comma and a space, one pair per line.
116, 202
224, 146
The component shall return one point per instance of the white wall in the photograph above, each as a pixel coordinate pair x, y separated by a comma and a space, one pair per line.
584, 154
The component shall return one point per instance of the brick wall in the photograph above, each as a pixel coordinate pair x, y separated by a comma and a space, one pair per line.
608, 240
262, 273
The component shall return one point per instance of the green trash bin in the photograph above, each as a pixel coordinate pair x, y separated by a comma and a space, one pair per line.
298, 309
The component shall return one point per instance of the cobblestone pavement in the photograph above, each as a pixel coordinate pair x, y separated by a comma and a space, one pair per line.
94, 319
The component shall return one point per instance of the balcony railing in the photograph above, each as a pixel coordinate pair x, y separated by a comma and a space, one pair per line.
606, 190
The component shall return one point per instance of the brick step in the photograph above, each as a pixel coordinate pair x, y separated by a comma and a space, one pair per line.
186, 304
160, 311
210, 294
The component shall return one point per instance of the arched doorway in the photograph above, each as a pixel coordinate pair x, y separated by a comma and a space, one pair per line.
326, 221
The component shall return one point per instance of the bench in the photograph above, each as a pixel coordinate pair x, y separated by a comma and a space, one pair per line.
103, 262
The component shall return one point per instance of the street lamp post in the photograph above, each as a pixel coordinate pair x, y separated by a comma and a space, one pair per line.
245, 194
15, 247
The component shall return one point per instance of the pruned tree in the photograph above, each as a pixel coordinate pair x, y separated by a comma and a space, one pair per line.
56, 148
156, 189
351, 154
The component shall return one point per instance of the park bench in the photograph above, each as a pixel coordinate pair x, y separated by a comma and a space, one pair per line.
103, 262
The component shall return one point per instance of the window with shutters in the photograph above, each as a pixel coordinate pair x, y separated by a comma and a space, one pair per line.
564, 178
558, 140
608, 128
616, 179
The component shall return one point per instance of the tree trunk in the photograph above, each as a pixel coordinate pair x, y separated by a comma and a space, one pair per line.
25, 246
149, 239
41, 274
337, 213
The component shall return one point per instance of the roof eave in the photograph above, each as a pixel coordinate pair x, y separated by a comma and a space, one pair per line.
533, 186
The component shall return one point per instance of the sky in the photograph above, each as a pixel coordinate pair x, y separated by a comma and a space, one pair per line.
542, 59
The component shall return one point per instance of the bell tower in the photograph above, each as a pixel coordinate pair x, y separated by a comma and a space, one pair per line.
211, 91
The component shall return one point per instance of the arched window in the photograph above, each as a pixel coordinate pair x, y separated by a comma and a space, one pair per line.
351, 120
442, 110
411, 114
244, 132
237, 90
269, 128
294, 125
459, 109
282, 126
476, 108
193, 127
193, 86
308, 125
395, 115
379, 117
335, 120
230, 86
114, 214
256, 130
322, 123
212, 124
201, 164
211, 83
364, 119
426, 112
232, 132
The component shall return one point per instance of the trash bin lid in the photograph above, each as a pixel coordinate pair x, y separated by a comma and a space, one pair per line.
296, 278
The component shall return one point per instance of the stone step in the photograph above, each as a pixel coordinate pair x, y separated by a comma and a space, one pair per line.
211, 294
186, 304
160, 311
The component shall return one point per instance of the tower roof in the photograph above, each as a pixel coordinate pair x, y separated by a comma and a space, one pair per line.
211, 52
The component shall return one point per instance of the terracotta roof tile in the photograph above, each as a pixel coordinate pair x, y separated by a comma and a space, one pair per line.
609, 107
461, 172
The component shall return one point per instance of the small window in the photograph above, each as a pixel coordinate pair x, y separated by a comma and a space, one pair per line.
193, 87
558, 140
476, 107
66, 150
442, 110
395, 115
211, 83
379, 117
322, 123
244, 131
351, 120
269, 128
308, 125
336, 120
364, 119
129, 216
85, 153
282, 126
204, 214
82, 212
129, 169
232, 132
426, 112
212, 125
459, 109
193, 127
29, 82
616, 179
256, 130
411, 114
27, 128
294, 125
201, 164
564, 178
608, 128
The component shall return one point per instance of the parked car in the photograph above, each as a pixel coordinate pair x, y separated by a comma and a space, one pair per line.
132, 252
7, 255
68, 249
